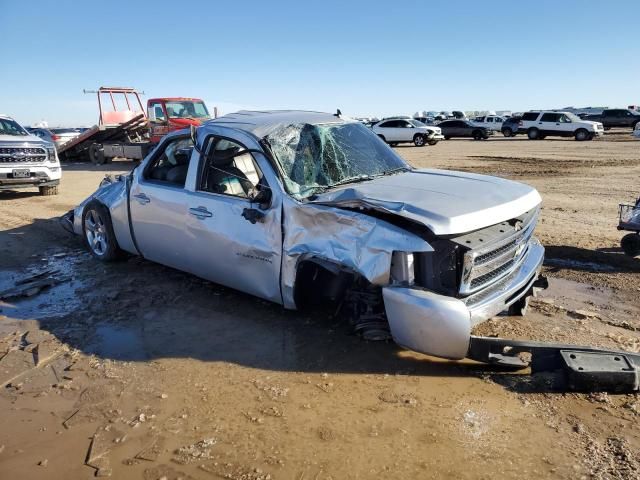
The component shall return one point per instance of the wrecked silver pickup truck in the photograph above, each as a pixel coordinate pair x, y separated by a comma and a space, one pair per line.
306, 208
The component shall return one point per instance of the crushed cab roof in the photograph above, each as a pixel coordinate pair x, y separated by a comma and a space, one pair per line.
261, 123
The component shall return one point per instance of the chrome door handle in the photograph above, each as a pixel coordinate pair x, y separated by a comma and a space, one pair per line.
200, 212
142, 198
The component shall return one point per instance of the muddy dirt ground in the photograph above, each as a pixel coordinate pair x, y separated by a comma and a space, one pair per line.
138, 371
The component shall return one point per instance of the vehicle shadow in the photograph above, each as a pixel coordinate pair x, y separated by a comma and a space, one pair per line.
135, 310
19, 193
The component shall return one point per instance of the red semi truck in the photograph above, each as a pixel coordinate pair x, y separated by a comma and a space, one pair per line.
126, 130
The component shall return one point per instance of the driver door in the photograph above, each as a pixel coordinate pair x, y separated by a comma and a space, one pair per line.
223, 244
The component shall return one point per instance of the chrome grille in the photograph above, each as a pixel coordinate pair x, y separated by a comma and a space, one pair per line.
22, 154
484, 266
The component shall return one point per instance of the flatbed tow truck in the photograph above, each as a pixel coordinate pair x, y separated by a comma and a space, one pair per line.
125, 130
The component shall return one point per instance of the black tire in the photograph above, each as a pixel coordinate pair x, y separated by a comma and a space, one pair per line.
48, 190
381, 137
507, 132
97, 233
520, 307
630, 244
477, 135
446, 138
581, 135
533, 134
418, 140
432, 142
393, 144
96, 154
634, 124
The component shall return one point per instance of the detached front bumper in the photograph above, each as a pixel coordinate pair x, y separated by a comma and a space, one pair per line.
438, 325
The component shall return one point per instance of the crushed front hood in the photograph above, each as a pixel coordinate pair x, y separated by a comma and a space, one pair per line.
446, 202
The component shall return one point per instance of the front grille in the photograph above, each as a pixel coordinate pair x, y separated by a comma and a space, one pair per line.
484, 266
22, 154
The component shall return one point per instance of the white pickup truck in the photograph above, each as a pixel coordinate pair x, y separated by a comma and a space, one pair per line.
490, 122
27, 161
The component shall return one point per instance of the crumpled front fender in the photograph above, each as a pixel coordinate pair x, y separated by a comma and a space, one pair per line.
353, 240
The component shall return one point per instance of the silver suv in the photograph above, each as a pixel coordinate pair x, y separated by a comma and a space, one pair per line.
26, 160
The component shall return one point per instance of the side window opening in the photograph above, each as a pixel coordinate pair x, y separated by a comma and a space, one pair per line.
229, 169
172, 165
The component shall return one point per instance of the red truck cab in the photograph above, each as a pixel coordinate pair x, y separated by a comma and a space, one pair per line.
169, 114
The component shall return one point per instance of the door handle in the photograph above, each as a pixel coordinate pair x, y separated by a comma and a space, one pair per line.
200, 213
142, 198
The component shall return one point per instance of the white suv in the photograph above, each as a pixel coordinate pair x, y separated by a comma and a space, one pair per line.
26, 160
406, 130
540, 124
491, 122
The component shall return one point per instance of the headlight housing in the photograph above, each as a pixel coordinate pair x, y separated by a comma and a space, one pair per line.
51, 153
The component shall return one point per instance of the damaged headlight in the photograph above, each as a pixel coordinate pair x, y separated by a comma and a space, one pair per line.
439, 270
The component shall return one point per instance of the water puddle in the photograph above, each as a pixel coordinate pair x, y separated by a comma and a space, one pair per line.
56, 300
117, 342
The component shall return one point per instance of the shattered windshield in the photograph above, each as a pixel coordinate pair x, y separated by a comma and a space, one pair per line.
315, 158
10, 127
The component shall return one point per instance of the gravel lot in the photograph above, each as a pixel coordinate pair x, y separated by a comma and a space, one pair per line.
138, 371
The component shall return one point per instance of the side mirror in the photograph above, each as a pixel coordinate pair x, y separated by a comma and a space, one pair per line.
261, 197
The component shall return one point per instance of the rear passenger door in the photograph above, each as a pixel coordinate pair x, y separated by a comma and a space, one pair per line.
549, 123
158, 202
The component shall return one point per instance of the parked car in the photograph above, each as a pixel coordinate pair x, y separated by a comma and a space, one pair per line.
616, 117
425, 120
26, 160
511, 126
63, 135
306, 209
458, 114
42, 133
402, 130
540, 124
463, 128
492, 122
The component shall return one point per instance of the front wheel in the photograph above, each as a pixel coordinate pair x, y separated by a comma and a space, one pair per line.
98, 232
477, 135
433, 142
507, 132
418, 140
581, 135
630, 244
48, 190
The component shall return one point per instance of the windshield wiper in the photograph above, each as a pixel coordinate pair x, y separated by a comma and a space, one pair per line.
359, 178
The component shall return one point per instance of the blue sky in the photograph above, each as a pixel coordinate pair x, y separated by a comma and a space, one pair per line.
365, 57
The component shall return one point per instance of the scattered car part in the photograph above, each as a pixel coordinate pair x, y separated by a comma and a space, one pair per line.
584, 369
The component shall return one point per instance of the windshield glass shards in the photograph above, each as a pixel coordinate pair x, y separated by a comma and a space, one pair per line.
314, 158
